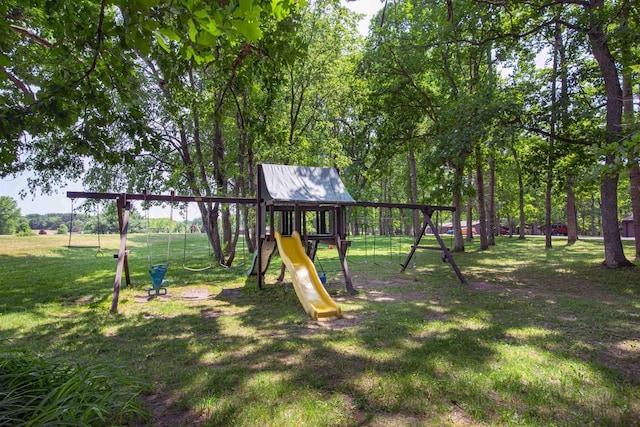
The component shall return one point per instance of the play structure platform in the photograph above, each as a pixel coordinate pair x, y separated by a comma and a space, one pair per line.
306, 282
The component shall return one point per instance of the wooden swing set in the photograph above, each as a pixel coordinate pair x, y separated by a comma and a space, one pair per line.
123, 204
286, 194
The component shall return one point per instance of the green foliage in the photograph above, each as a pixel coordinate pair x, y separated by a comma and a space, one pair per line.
22, 228
62, 229
72, 75
9, 215
52, 221
37, 391
191, 95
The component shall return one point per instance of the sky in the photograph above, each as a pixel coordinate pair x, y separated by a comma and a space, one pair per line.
59, 203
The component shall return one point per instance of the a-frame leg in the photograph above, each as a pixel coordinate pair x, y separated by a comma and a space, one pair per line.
122, 253
342, 252
443, 247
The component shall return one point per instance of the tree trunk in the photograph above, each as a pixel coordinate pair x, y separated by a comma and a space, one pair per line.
482, 213
244, 176
457, 204
491, 212
613, 251
413, 191
547, 198
219, 178
634, 184
593, 216
572, 220
634, 170
520, 192
469, 227
552, 133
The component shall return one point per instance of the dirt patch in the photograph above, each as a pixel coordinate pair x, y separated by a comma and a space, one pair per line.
229, 293
365, 282
333, 324
196, 295
624, 356
523, 290
164, 415
80, 301
213, 314
145, 298
484, 286
437, 316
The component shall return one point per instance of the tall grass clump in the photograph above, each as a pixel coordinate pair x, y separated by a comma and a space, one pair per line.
35, 391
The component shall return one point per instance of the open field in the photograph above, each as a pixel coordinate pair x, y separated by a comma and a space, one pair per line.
536, 338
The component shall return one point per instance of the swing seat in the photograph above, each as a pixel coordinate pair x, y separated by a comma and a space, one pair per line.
157, 272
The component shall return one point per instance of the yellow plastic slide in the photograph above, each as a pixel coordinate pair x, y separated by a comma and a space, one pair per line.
313, 296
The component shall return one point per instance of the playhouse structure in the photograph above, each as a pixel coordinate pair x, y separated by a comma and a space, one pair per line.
299, 207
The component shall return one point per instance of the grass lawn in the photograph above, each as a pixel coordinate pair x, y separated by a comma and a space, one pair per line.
536, 338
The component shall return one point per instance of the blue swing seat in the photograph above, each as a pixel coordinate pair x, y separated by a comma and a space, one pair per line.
157, 272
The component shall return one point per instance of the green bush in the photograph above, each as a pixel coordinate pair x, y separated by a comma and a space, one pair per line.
34, 391
62, 229
23, 229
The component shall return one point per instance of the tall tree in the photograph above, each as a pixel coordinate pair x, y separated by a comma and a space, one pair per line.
599, 40
431, 82
589, 19
9, 215
629, 30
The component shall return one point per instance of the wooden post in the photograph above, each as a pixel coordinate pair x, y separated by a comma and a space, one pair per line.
122, 253
342, 252
297, 219
260, 226
120, 210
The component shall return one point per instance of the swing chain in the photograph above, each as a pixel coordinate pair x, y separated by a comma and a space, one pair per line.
170, 226
71, 223
99, 253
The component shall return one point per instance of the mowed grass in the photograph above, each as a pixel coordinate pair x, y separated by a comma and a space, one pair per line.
536, 337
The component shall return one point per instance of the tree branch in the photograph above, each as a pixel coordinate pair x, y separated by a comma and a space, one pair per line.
557, 137
103, 5
21, 85
31, 35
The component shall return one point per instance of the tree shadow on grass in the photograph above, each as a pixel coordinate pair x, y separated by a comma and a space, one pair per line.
411, 349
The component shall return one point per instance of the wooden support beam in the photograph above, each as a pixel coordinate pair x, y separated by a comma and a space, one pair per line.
342, 245
416, 245
432, 248
126, 252
159, 197
122, 253
261, 230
